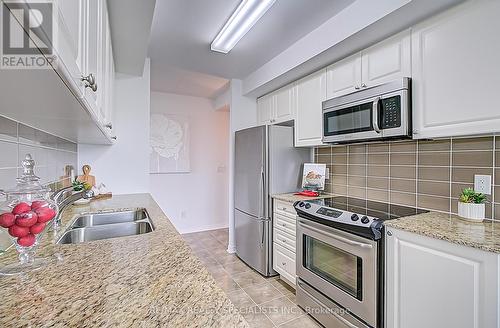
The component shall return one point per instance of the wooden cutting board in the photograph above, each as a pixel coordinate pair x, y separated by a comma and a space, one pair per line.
86, 177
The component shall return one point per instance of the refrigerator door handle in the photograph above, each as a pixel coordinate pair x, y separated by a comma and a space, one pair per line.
261, 208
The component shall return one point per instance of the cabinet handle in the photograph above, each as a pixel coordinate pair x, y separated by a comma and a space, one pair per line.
114, 138
357, 87
109, 126
90, 82
283, 224
389, 233
283, 263
363, 85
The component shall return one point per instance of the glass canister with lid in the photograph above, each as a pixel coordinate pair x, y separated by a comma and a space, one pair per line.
26, 213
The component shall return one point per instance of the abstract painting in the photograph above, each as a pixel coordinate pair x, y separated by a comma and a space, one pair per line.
169, 143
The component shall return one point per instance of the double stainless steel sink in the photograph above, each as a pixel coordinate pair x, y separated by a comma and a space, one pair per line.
90, 227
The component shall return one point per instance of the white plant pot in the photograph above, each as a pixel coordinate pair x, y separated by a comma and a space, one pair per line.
474, 212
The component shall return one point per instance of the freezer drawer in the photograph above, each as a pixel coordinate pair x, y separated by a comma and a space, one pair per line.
253, 241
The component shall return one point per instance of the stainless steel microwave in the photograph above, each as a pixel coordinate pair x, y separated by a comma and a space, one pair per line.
377, 113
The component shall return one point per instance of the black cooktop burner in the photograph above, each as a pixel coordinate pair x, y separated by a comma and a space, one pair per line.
379, 210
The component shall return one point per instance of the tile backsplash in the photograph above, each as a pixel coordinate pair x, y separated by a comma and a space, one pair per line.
426, 174
51, 154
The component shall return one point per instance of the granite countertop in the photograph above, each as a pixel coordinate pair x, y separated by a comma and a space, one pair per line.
483, 235
149, 280
292, 198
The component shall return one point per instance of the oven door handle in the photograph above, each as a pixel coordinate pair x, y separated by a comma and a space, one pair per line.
339, 238
375, 111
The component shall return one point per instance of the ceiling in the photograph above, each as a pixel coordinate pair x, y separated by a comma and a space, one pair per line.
179, 48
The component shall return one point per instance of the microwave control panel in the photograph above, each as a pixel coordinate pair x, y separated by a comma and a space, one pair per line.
391, 113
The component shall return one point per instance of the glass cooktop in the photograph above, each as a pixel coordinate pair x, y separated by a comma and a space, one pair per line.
379, 210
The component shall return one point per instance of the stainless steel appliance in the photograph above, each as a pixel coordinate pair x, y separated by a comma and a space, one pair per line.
380, 112
340, 259
266, 163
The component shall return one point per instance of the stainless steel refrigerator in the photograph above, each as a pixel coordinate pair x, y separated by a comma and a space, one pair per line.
266, 163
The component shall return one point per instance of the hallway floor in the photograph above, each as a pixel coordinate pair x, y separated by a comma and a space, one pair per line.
263, 302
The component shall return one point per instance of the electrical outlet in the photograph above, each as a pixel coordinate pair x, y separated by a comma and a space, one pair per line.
482, 184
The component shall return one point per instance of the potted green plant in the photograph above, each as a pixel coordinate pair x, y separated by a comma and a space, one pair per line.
471, 205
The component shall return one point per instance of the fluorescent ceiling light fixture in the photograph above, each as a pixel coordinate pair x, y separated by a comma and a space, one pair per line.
240, 22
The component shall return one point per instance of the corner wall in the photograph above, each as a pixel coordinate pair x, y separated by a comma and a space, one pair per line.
197, 200
124, 167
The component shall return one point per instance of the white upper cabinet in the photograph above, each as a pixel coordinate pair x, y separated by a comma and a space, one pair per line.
277, 106
265, 109
433, 283
384, 62
284, 105
70, 43
387, 60
309, 95
456, 72
344, 76
94, 24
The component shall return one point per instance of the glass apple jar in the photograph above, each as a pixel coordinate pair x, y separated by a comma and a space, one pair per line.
26, 213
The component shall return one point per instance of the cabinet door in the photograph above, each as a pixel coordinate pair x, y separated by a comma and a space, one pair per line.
93, 53
68, 43
433, 283
265, 109
284, 105
387, 60
344, 76
106, 93
310, 93
456, 75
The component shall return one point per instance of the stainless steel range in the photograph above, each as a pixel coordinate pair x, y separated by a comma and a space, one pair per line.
340, 259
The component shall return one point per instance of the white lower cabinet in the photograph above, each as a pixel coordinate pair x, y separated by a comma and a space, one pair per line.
284, 248
433, 283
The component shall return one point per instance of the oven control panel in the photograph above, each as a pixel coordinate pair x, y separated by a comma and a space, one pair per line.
332, 214
329, 212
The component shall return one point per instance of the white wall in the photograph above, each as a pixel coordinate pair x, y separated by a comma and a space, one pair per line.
198, 200
124, 167
243, 111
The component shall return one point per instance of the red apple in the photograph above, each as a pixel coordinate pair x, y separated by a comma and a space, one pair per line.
27, 240
7, 220
38, 204
45, 214
17, 231
26, 219
37, 228
21, 208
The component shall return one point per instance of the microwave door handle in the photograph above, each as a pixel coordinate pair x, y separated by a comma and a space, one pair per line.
375, 112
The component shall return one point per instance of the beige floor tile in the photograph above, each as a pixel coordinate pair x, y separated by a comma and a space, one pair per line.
236, 267
248, 278
213, 244
241, 300
283, 287
281, 310
303, 322
225, 257
226, 283
216, 270
208, 261
262, 293
256, 318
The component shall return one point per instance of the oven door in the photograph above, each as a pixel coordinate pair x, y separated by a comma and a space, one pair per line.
340, 265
